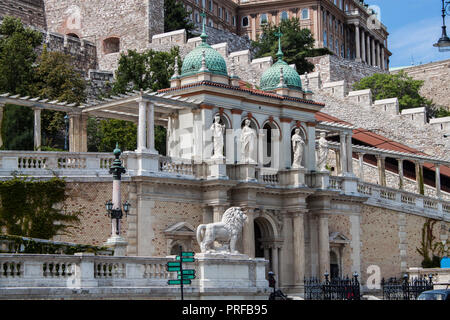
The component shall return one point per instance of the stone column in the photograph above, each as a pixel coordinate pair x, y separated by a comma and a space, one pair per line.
253, 16
383, 64
275, 268
2, 106
419, 177
236, 124
381, 169
343, 152
286, 143
77, 133
299, 248
358, 44
363, 46
248, 234
142, 134
338, 162
324, 245
361, 165
378, 55
151, 128
373, 52
208, 214
349, 153
369, 55
400, 174
438, 180
37, 128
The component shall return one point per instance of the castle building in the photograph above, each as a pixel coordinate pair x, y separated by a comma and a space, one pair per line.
348, 28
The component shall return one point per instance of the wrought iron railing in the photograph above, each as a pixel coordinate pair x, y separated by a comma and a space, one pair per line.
334, 289
405, 289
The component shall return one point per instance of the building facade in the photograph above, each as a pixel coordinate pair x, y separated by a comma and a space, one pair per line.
349, 28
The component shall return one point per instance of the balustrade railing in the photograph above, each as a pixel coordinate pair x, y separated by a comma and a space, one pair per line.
176, 165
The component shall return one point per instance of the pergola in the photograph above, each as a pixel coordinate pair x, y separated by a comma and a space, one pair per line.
145, 108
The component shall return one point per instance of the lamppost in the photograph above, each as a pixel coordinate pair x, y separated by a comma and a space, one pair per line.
114, 207
444, 42
66, 136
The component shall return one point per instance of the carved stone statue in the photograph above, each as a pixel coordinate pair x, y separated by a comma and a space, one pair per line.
217, 133
297, 147
322, 152
248, 140
225, 232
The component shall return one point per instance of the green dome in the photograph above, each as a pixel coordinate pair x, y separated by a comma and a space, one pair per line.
271, 77
213, 59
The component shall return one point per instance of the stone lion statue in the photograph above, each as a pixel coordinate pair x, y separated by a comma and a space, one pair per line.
225, 232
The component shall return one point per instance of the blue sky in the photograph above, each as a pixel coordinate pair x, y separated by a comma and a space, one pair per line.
413, 26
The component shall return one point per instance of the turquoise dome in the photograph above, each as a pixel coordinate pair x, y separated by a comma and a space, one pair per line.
271, 77
213, 59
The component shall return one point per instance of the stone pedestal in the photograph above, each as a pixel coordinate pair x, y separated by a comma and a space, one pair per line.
142, 163
232, 273
318, 179
350, 184
119, 245
247, 172
217, 169
298, 177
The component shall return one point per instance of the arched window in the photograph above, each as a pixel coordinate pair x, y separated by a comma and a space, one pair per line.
245, 21
284, 16
111, 45
305, 14
263, 18
73, 35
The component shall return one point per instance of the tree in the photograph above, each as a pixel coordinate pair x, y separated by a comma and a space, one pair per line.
297, 43
176, 17
57, 79
136, 71
400, 85
17, 56
429, 246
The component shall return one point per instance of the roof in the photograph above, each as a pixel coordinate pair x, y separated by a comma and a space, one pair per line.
375, 140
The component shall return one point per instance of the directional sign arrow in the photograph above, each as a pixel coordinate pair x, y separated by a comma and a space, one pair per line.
186, 276
187, 271
175, 282
172, 269
183, 259
187, 254
173, 264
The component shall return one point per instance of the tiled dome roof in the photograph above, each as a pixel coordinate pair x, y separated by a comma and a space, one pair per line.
213, 60
271, 77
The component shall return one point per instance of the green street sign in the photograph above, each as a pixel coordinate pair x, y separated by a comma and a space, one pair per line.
187, 254
186, 276
187, 271
185, 259
173, 264
178, 282
173, 269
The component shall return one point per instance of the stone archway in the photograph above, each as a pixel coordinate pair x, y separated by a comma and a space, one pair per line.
266, 244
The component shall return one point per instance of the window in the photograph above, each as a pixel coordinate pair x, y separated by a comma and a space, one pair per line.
284, 16
210, 23
263, 18
331, 42
346, 7
324, 18
325, 38
305, 14
234, 20
342, 51
197, 17
204, 3
337, 46
111, 45
227, 18
331, 22
220, 12
245, 21
211, 6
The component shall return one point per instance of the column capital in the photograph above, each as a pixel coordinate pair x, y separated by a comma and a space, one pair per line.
380, 156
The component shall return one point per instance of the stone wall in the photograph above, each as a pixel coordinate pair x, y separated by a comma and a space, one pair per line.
436, 77
132, 22
31, 12
333, 68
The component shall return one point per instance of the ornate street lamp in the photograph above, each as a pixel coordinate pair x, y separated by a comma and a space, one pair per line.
114, 206
444, 42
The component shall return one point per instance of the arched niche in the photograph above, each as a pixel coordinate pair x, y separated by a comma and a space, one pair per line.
305, 138
272, 133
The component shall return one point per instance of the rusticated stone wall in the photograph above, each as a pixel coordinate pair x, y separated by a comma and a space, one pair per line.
436, 77
31, 12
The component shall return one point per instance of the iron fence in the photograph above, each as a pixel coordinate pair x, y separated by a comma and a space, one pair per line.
405, 289
334, 289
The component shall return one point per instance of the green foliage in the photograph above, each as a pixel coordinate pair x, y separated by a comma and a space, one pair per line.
441, 113
17, 56
148, 70
31, 208
400, 85
17, 128
176, 17
297, 43
17, 244
117, 131
429, 246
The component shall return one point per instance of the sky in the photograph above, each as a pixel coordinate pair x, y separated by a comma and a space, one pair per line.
413, 26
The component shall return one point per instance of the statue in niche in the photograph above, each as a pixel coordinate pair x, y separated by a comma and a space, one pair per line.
297, 147
218, 134
322, 152
248, 139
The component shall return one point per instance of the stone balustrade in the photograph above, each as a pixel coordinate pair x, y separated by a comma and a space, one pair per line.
66, 277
